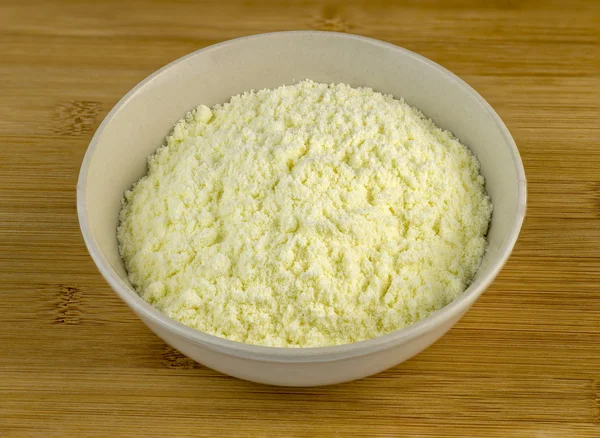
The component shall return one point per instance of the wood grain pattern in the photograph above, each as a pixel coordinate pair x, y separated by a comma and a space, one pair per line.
74, 361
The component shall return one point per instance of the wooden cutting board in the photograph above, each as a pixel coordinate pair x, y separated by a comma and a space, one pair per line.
74, 361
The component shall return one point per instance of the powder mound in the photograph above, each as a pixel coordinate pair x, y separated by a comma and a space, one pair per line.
308, 215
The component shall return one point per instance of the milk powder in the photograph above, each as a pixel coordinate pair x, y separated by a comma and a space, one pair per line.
308, 215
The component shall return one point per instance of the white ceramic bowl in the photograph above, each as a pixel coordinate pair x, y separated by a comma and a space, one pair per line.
138, 124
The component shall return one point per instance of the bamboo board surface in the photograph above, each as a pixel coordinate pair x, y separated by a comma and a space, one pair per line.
75, 361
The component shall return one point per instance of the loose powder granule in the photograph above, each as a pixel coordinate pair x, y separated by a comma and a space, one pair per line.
309, 215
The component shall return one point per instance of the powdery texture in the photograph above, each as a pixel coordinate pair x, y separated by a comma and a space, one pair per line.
308, 215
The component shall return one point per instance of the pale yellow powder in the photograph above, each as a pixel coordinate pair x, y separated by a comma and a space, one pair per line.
308, 215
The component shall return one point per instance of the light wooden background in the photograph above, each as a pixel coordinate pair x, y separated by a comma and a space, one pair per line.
74, 361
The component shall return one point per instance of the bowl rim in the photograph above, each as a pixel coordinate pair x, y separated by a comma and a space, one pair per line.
303, 354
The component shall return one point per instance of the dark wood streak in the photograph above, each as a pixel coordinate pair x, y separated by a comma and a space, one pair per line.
68, 305
171, 358
76, 118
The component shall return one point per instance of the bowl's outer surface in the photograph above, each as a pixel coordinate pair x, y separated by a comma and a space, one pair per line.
139, 123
